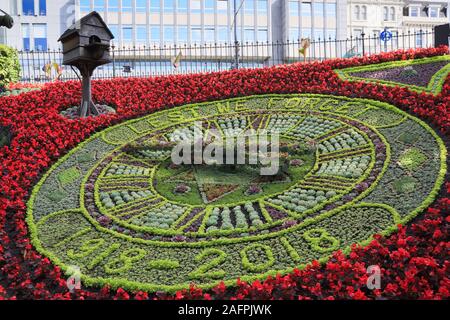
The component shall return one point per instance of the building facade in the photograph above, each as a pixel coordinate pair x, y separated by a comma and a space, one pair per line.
165, 22
37, 23
410, 21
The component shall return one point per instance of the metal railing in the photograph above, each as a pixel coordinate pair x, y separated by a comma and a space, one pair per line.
143, 61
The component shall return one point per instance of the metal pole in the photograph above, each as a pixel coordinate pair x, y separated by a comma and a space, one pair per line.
236, 43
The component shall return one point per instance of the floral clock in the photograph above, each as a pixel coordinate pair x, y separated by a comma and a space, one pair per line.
130, 218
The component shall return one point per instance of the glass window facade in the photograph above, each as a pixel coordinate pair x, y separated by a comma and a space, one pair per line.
85, 6
169, 35
113, 5
249, 6
42, 7
330, 9
414, 11
330, 34
306, 9
209, 6
294, 34
141, 6
155, 35
127, 34
433, 12
26, 36
115, 31
141, 34
99, 5
169, 6
222, 34
155, 6
28, 7
306, 33
222, 6
196, 35
318, 9
196, 6
249, 35
263, 35
294, 8
209, 35
182, 34
182, 6
262, 7
40, 36
127, 6
318, 34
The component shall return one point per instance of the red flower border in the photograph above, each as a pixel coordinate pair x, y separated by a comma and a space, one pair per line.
414, 261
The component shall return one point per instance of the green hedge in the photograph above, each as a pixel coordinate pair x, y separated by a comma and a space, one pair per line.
9, 65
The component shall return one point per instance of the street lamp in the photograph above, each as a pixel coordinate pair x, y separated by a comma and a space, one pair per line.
6, 20
236, 42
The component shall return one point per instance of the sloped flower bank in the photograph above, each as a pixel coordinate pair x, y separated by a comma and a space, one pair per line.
412, 260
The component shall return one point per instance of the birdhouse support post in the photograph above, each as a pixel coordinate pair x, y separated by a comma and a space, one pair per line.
87, 107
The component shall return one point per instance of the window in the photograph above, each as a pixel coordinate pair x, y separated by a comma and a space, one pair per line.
26, 36
306, 9
222, 6
392, 13
294, 34
182, 35
113, 5
262, 6
155, 6
249, 35
209, 34
169, 5
385, 14
114, 30
209, 6
419, 39
40, 36
363, 12
293, 8
318, 9
155, 33
196, 35
127, 6
141, 6
85, 6
413, 11
42, 7
169, 36
249, 6
330, 34
182, 6
222, 34
127, 34
99, 5
319, 34
28, 7
330, 9
306, 33
357, 13
263, 35
196, 6
141, 34
433, 12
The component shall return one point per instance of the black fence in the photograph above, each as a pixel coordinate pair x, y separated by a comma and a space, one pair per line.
142, 61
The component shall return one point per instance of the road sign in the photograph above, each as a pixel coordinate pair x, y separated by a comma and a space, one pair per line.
385, 35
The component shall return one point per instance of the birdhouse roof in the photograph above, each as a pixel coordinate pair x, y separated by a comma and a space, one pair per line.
78, 25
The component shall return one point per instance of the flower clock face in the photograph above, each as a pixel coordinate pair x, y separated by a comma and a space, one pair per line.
422, 75
126, 215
